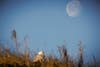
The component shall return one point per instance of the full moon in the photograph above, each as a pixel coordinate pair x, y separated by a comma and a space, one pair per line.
73, 8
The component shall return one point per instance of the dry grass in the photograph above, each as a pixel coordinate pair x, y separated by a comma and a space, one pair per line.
9, 59
16, 59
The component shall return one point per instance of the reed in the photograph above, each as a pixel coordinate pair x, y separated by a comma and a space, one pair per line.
11, 59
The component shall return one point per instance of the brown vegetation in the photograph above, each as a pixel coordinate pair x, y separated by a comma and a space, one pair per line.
16, 59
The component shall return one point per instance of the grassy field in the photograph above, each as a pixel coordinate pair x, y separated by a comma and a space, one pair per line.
9, 59
17, 59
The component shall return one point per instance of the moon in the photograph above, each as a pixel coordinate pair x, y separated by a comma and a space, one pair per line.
73, 8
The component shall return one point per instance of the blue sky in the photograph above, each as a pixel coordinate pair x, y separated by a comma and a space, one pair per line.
47, 25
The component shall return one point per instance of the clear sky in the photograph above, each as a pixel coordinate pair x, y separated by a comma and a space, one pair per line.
47, 25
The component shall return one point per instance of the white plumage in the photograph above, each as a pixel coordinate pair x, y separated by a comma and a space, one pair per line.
39, 57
